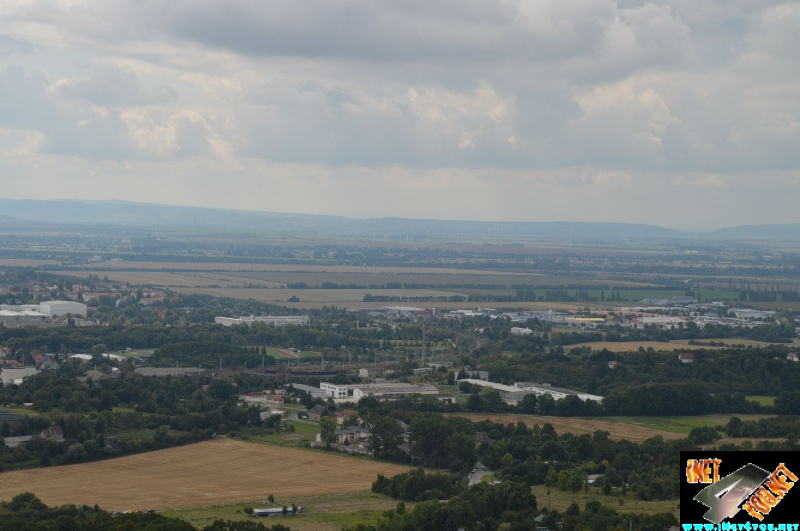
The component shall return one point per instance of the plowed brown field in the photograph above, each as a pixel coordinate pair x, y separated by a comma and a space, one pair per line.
616, 430
214, 472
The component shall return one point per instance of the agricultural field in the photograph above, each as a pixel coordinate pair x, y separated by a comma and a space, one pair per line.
636, 429
762, 400
320, 513
268, 283
24, 262
633, 346
560, 500
303, 432
677, 344
578, 426
682, 425
209, 473
108, 267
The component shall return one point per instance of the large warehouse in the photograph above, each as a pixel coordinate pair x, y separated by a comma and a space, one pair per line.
56, 308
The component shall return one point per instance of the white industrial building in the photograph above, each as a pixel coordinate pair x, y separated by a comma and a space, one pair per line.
277, 320
15, 375
56, 308
315, 392
381, 391
538, 389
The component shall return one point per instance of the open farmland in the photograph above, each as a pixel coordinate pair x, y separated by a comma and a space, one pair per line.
328, 512
684, 425
186, 274
560, 500
636, 429
578, 426
678, 344
24, 262
321, 284
216, 472
107, 267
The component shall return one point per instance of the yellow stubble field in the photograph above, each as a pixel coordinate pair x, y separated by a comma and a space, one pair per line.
216, 472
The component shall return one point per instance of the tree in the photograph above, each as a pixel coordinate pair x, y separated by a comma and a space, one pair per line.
26, 502
99, 349
442, 441
474, 403
327, 428
386, 435
351, 419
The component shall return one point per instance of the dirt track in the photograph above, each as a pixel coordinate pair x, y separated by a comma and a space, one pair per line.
214, 472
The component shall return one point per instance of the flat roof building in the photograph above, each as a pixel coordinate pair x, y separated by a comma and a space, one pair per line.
15, 375
56, 308
381, 391
276, 320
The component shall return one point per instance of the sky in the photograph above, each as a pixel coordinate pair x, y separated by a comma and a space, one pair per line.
682, 113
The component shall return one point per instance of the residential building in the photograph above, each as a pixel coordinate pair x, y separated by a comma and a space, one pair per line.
351, 434
316, 413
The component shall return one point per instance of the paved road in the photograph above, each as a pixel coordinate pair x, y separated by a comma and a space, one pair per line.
479, 473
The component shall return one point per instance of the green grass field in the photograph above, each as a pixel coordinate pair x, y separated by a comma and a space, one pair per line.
560, 500
302, 433
761, 400
279, 357
681, 424
328, 512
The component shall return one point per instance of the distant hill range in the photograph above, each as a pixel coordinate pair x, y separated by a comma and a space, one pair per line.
151, 216
777, 232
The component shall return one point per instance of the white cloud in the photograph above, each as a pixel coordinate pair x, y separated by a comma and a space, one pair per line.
486, 106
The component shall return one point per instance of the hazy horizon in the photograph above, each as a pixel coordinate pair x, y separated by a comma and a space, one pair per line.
39, 216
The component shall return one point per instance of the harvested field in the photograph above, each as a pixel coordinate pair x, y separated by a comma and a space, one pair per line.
633, 346
220, 471
577, 426
306, 268
177, 279
24, 262
739, 440
680, 344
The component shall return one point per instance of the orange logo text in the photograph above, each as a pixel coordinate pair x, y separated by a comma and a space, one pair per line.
770, 493
702, 470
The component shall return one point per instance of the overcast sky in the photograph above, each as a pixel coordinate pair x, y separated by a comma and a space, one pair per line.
682, 113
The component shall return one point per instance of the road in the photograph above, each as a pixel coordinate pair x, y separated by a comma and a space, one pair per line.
479, 473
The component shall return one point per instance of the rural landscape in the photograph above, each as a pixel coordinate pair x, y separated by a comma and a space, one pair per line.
451, 265
203, 377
